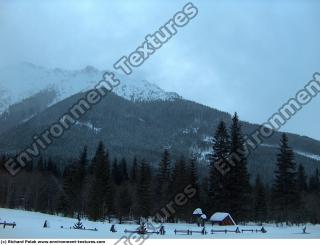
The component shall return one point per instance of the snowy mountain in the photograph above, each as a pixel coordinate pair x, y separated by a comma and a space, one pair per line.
18, 82
33, 97
141, 129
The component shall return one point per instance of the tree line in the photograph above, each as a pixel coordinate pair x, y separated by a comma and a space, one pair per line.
103, 187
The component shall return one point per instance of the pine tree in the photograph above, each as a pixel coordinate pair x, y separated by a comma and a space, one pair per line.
70, 194
217, 181
163, 181
238, 186
101, 198
179, 176
80, 179
286, 199
193, 177
78, 225
73, 184
143, 190
179, 182
260, 201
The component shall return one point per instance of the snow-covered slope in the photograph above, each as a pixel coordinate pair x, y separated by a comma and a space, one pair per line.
30, 226
24, 80
301, 153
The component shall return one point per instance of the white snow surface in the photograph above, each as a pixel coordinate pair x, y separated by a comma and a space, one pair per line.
203, 216
88, 125
21, 81
217, 217
301, 153
197, 211
30, 226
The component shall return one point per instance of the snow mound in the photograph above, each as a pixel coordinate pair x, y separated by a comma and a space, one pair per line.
197, 211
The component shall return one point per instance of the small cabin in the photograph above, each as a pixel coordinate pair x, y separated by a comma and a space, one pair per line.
222, 219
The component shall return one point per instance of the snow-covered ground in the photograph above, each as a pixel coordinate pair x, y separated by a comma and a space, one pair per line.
30, 226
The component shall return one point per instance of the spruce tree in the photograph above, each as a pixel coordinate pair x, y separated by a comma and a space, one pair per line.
73, 184
70, 191
193, 177
179, 176
80, 179
286, 199
143, 190
238, 186
217, 181
163, 181
179, 182
101, 196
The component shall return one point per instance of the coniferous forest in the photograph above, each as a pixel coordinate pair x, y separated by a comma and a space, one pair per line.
104, 187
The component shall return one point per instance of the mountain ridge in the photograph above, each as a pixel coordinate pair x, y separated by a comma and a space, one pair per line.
21, 81
132, 127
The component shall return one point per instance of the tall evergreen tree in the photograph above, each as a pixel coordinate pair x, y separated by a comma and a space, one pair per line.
286, 199
73, 184
163, 181
217, 181
143, 190
101, 198
178, 183
70, 191
193, 178
80, 179
238, 186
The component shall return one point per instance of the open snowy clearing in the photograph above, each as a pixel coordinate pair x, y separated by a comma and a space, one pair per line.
30, 226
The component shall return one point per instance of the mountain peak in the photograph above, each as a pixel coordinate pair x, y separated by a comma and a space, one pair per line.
26, 79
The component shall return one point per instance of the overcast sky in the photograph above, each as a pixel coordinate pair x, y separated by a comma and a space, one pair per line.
249, 57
